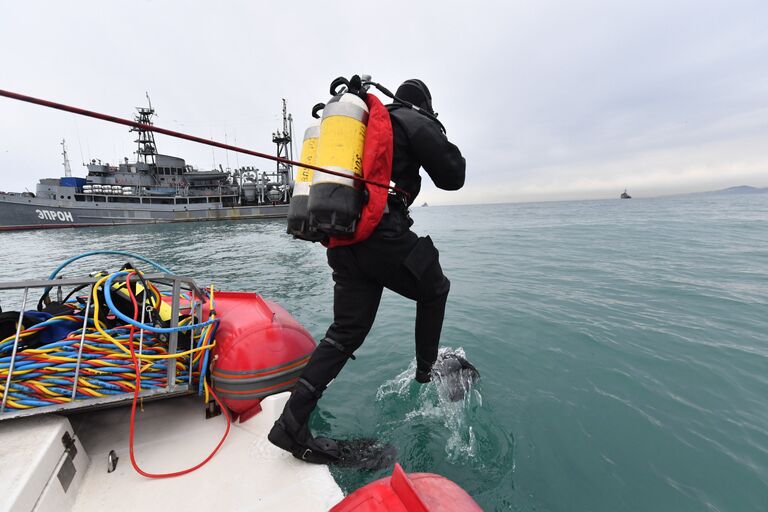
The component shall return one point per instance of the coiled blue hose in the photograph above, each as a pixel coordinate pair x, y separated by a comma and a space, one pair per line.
98, 253
113, 253
146, 327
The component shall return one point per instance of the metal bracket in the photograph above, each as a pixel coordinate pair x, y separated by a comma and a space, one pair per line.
69, 445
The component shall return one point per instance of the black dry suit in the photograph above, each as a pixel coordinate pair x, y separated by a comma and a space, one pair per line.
393, 257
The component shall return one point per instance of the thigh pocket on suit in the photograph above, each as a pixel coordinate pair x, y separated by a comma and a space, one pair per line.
421, 258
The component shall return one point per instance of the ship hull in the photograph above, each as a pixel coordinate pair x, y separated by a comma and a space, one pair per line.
23, 213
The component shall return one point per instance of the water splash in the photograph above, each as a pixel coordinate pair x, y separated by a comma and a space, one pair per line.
437, 401
398, 385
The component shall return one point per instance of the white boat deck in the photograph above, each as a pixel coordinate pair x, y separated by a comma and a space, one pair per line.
247, 473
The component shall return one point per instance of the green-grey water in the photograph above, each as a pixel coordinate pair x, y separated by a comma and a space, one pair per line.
623, 345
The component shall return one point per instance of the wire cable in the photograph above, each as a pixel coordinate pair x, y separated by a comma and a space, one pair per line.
193, 138
132, 429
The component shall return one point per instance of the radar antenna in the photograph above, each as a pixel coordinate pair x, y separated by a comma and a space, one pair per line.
284, 150
146, 139
67, 168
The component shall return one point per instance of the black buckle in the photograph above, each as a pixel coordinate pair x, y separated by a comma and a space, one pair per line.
305, 453
398, 200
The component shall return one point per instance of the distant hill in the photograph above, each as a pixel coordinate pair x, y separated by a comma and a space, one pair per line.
741, 189
730, 191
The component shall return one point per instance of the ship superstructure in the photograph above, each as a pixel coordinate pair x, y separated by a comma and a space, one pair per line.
155, 188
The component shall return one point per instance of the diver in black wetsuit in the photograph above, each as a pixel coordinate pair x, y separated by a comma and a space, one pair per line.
393, 257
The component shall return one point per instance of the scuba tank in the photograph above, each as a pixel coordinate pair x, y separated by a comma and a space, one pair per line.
298, 212
355, 140
335, 202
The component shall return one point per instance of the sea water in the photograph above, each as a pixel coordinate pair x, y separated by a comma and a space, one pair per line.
623, 345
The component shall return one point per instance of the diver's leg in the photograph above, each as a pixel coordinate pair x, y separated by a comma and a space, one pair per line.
355, 301
430, 312
416, 274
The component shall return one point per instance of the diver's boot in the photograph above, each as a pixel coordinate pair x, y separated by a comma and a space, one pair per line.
297, 439
423, 376
423, 370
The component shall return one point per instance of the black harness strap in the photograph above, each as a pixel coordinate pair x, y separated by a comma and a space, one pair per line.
312, 389
338, 346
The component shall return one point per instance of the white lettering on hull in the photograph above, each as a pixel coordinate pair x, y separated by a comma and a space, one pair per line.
61, 216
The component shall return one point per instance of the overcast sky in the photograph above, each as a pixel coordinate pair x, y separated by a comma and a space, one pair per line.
546, 99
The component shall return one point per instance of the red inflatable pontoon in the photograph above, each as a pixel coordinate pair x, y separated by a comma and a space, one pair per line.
417, 492
260, 351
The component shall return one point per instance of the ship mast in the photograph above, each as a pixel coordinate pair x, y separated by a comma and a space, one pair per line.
146, 140
67, 168
284, 150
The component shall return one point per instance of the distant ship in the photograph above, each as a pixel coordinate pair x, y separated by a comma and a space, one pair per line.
425, 204
624, 195
155, 189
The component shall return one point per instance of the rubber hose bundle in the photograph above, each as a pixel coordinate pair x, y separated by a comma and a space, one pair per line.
45, 375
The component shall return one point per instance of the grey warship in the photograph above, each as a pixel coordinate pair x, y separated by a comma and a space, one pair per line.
155, 188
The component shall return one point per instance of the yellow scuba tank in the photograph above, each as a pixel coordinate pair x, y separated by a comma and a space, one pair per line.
298, 212
335, 202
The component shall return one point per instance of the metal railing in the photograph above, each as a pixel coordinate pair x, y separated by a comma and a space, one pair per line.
178, 285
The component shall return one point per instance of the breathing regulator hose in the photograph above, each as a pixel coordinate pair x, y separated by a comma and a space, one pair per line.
359, 86
422, 111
